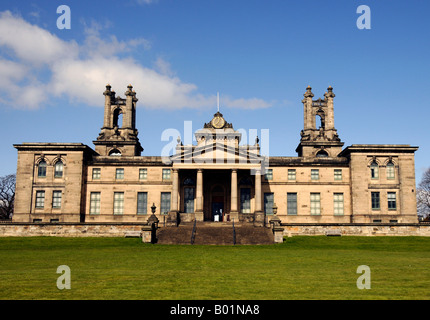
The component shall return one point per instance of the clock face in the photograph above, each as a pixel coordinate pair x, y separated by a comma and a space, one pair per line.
218, 122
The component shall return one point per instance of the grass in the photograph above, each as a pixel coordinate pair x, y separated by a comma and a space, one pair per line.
313, 267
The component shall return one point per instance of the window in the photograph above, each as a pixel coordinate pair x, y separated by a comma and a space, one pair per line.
56, 199
95, 203
189, 199
143, 174
245, 200
41, 169
390, 171
119, 175
376, 203
269, 174
291, 174
315, 204
142, 202
96, 173
322, 154
268, 203
374, 170
337, 174
40, 199
315, 174
58, 169
391, 196
292, 203
166, 174
118, 203
165, 202
338, 204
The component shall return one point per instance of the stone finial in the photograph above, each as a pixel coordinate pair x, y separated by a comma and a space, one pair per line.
308, 92
108, 90
329, 93
257, 140
129, 91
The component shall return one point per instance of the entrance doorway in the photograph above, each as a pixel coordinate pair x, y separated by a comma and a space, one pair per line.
217, 203
217, 209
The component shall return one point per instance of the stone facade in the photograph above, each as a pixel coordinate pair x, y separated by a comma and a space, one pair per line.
217, 179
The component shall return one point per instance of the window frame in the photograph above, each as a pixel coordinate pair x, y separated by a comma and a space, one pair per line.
143, 174
293, 174
119, 174
375, 200
95, 203
42, 169
391, 201
338, 174
165, 176
163, 202
292, 203
40, 200
268, 176
374, 170
56, 201
338, 204
245, 202
390, 171
269, 210
118, 203
96, 173
142, 206
315, 174
315, 203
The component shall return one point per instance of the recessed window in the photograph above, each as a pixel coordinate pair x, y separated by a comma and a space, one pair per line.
56, 199
142, 202
118, 203
41, 169
322, 154
337, 174
376, 201
315, 203
95, 203
119, 175
245, 200
40, 199
143, 174
291, 174
292, 203
374, 170
58, 169
391, 197
268, 203
165, 203
390, 171
315, 174
166, 174
188, 199
96, 173
269, 174
338, 204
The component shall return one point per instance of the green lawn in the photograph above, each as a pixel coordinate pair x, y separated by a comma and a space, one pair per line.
313, 267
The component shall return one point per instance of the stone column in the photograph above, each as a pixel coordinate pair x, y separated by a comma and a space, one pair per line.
258, 214
199, 195
175, 190
234, 214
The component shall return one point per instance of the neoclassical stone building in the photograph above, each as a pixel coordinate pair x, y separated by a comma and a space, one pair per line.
217, 179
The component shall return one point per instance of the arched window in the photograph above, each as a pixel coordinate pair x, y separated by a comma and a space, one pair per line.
41, 169
390, 170
115, 152
322, 154
374, 170
58, 169
117, 118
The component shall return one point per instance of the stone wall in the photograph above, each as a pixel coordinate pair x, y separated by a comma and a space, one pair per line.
358, 229
121, 229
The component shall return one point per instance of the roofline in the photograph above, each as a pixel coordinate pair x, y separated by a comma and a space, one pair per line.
385, 148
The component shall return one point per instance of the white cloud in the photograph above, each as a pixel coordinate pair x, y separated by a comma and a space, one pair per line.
37, 66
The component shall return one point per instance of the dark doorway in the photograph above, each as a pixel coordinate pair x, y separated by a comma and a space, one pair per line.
217, 208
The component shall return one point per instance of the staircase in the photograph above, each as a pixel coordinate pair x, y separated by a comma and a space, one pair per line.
215, 233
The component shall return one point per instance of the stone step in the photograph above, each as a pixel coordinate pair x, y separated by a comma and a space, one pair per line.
216, 233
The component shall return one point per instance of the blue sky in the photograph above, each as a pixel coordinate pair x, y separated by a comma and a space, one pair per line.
260, 56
